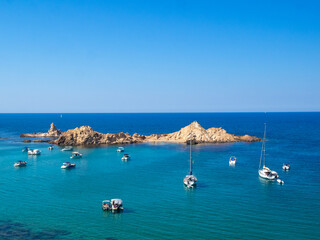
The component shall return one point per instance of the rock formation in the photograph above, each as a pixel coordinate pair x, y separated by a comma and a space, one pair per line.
198, 134
85, 135
52, 133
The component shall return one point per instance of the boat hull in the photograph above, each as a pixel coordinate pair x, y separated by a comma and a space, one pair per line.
262, 174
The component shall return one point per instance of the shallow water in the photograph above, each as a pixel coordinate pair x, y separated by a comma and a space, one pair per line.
228, 203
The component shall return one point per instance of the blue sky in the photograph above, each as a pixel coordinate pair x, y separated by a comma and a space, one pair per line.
159, 56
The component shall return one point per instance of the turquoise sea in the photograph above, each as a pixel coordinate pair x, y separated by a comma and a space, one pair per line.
42, 201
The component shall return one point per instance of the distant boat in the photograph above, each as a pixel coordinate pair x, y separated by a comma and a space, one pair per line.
76, 155
25, 149
68, 165
114, 205
286, 167
190, 180
50, 148
61, 116
20, 164
120, 149
265, 172
232, 161
126, 157
280, 181
34, 152
67, 149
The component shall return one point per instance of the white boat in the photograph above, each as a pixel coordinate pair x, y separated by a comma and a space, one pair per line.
280, 181
126, 157
76, 155
190, 180
68, 165
114, 205
120, 149
50, 148
25, 149
232, 161
34, 152
286, 167
265, 172
20, 164
67, 149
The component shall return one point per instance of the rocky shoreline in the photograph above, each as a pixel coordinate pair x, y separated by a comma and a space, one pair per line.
85, 136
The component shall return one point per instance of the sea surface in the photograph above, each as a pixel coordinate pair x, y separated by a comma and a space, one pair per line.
43, 201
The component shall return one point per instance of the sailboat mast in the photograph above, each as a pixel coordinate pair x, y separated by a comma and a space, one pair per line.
264, 140
190, 157
263, 148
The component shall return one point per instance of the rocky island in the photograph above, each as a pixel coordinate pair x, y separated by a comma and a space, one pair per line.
85, 135
52, 133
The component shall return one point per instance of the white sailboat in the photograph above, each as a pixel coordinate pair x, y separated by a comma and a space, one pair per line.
265, 172
190, 180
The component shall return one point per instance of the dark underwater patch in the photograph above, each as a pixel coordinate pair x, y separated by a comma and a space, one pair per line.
17, 231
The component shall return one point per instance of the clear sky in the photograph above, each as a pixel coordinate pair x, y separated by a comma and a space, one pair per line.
159, 56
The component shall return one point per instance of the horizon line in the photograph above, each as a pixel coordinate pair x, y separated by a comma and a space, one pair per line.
315, 111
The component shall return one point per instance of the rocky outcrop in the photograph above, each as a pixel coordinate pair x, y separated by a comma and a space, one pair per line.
52, 133
85, 135
198, 134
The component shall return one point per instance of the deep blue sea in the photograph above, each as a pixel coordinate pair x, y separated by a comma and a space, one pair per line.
43, 201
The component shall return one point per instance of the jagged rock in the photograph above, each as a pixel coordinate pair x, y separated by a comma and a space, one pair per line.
85, 135
53, 130
197, 134
52, 133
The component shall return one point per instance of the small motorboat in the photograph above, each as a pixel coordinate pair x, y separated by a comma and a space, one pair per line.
20, 164
69, 148
106, 205
126, 157
280, 181
120, 149
50, 148
286, 167
232, 161
114, 205
34, 152
76, 155
68, 165
25, 149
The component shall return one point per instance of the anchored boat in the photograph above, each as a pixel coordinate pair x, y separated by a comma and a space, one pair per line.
25, 149
76, 155
50, 148
120, 149
68, 165
280, 181
286, 167
265, 172
190, 180
67, 148
126, 157
20, 164
114, 205
232, 161
34, 152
